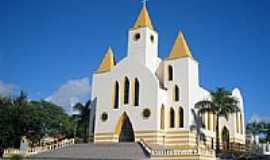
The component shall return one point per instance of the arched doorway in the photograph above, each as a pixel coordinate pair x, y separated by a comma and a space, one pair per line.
225, 139
124, 129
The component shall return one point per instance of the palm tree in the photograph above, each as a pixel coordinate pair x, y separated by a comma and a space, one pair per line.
255, 128
82, 117
197, 126
22, 99
222, 104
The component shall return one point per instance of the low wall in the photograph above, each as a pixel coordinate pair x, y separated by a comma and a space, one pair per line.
38, 149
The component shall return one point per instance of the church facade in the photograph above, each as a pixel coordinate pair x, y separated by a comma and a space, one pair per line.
143, 97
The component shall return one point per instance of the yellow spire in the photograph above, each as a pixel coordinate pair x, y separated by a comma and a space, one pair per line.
107, 63
180, 48
143, 19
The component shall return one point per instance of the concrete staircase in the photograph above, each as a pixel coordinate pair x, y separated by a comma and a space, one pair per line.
116, 151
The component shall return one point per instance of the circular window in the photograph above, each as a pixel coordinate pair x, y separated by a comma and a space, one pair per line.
146, 113
137, 36
152, 38
104, 117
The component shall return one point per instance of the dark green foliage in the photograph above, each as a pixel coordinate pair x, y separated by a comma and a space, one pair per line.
33, 119
221, 104
259, 128
82, 119
197, 126
16, 157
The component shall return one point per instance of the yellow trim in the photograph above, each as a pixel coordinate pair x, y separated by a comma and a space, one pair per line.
107, 63
214, 122
143, 20
180, 48
237, 122
120, 123
132, 96
122, 90
113, 94
241, 123
173, 93
162, 117
104, 133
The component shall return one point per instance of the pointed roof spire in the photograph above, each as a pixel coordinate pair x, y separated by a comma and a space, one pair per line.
108, 62
180, 48
143, 19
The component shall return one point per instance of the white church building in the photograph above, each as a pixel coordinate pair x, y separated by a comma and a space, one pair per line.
144, 97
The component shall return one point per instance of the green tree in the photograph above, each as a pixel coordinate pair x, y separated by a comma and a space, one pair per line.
82, 119
222, 104
198, 127
254, 128
33, 119
7, 125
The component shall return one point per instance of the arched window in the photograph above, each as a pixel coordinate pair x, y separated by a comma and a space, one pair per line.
171, 118
126, 91
176, 93
181, 117
170, 73
137, 92
116, 95
203, 120
162, 117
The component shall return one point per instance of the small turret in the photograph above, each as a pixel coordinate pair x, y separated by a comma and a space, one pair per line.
143, 20
107, 63
180, 48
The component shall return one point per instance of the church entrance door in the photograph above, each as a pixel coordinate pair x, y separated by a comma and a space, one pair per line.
126, 133
225, 139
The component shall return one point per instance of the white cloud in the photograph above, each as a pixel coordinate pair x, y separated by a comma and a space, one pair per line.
257, 118
70, 93
6, 89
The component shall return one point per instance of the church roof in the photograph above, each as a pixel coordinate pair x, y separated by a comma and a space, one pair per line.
143, 19
107, 63
180, 48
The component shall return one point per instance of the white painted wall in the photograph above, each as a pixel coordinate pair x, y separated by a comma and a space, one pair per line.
143, 63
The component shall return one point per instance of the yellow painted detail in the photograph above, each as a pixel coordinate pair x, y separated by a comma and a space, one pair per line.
162, 117
143, 20
120, 123
113, 94
241, 123
107, 63
132, 96
180, 48
122, 91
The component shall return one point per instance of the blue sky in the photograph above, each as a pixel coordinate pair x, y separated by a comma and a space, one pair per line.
50, 47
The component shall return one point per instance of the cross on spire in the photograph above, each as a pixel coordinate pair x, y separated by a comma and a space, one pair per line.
144, 2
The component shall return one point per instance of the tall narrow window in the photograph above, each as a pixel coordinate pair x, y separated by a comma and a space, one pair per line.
126, 91
171, 118
181, 117
212, 143
202, 115
170, 73
162, 117
137, 92
116, 95
176, 93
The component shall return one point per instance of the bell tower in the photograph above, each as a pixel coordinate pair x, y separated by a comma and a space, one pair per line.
143, 41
